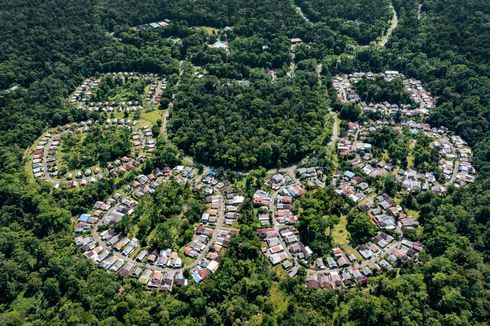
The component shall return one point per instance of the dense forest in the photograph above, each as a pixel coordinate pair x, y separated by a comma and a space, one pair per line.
165, 220
350, 17
99, 145
242, 127
381, 90
49, 47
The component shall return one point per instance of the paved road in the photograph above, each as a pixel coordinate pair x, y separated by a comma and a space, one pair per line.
456, 165
164, 122
47, 175
213, 239
276, 226
197, 261
455, 172
319, 73
158, 91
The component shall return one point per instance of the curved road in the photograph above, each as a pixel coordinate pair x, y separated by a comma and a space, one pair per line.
198, 260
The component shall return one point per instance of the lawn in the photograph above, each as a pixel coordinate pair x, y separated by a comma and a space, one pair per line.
149, 118
340, 237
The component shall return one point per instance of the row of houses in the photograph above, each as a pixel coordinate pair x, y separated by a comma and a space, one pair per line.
153, 278
46, 154
283, 245
211, 262
155, 92
83, 94
449, 157
221, 198
380, 255
456, 160
148, 26
312, 176
423, 99
117, 252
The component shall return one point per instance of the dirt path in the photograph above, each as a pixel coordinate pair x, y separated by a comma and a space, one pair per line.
335, 131
394, 23
302, 14
319, 73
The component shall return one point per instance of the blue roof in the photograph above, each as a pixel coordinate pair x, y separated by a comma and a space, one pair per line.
349, 174
84, 217
79, 230
197, 278
212, 173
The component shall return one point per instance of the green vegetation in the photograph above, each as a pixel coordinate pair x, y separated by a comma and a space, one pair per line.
360, 226
119, 89
404, 149
241, 127
49, 47
165, 219
380, 90
319, 212
363, 20
97, 146
425, 156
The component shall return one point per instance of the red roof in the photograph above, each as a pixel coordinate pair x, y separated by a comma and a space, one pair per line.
203, 273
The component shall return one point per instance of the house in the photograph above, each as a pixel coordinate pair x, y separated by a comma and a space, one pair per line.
331, 263
336, 279
324, 281
342, 261
117, 265
319, 263
312, 281
141, 255
145, 277
358, 276
346, 278
213, 266
125, 271
156, 279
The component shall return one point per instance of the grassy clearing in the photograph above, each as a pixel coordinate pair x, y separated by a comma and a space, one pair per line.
368, 199
279, 270
187, 260
340, 237
149, 118
208, 30
278, 299
411, 212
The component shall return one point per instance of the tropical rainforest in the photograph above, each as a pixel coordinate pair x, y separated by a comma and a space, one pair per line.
262, 124
166, 219
48, 47
96, 146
